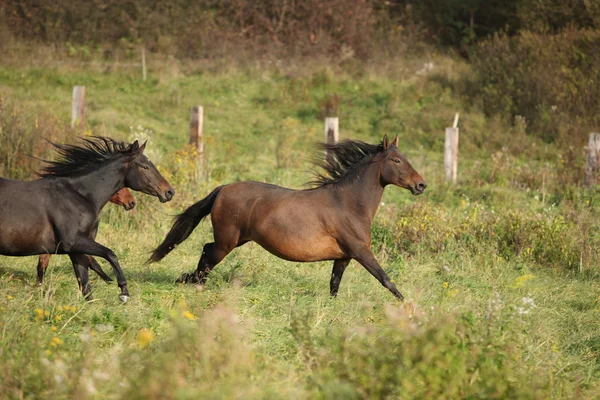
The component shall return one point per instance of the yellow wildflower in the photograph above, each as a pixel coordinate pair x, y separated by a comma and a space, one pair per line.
56, 341
520, 281
40, 313
59, 308
67, 308
47, 313
53, 328
145, 337
445, 285
9, 297
189, 315
57, 317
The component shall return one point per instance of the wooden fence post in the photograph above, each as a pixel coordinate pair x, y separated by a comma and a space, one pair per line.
593, 159
144, 71
451, 152
196, 122
78, 106
332, 131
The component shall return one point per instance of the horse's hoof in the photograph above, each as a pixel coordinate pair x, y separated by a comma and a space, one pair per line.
183, 278
123, 298
108, 279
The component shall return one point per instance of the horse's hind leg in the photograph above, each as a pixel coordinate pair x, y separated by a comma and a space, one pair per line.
212, 254
81, 265
41, 268
94, 266
339, 266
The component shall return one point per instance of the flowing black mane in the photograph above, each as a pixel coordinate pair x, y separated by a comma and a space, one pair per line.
80, 158
343, 161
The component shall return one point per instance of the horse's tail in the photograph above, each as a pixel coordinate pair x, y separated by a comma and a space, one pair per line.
184, 225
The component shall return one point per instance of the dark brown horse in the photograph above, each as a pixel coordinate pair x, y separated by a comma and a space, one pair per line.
58, 213
122, 198
329, 222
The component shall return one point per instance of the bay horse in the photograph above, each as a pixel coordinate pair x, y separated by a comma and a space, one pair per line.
58, 213
122, 198
331, 221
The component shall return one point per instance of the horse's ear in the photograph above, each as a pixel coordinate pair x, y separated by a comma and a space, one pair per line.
142, 147
395, 141
133, 147
386, 143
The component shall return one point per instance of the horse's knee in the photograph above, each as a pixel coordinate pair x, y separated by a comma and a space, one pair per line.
112, 257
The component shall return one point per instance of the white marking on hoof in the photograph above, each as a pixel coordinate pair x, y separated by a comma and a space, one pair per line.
123, 298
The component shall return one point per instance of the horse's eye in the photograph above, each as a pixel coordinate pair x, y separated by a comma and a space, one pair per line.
397, 161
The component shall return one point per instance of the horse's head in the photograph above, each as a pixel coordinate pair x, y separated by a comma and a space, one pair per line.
124, 198
396, 170
143, 176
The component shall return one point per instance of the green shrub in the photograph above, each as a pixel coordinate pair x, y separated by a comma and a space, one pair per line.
22, 139
544, 238
552, 81
439, 356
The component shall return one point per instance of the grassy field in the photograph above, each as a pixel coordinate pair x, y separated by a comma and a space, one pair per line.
499, 271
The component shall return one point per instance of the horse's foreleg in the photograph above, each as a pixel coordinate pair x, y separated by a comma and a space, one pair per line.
367, 260
80, 266
41, 267
339, 266
94, 266
88, 246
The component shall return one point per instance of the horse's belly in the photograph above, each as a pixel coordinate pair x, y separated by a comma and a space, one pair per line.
303, 250
19, 237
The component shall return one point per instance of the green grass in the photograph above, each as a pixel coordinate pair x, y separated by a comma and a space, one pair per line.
266, 328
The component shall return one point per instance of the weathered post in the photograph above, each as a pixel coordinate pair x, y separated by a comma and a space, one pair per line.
332, 132
451, 152
144, 71
78, 106
196, 122
593, 158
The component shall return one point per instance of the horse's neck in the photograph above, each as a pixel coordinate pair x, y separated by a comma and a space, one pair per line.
100, 185
364, 196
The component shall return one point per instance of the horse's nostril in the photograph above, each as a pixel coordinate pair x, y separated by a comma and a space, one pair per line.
170, 193
132, 204
421, 186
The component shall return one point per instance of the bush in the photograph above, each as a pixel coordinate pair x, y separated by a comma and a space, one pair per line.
21, 141
209, 29
544, 238
552, 81
439, 356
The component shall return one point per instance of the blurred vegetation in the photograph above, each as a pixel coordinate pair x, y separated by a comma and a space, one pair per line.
534, 59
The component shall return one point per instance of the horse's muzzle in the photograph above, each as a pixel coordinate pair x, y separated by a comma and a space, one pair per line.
167, 195
418, 188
